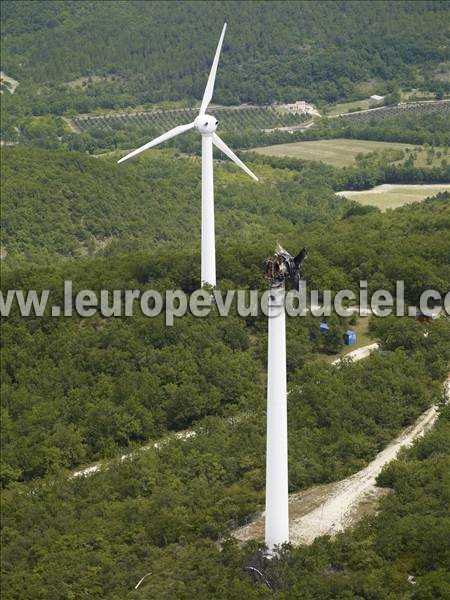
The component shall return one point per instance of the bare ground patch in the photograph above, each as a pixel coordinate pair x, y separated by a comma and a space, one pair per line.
10, 83
395, 195
330, 508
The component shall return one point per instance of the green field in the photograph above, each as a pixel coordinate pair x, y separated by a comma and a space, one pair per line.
345, 107
392, 196
342, 152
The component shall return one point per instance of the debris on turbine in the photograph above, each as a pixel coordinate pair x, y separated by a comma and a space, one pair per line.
281, 266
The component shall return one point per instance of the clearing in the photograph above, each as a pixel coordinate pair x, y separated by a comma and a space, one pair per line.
8, 82
85, 80
342, 152
356, 355
345, 107
364, 343
330, 508
394, 195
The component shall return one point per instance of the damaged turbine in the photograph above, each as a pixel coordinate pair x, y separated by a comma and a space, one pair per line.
282, 266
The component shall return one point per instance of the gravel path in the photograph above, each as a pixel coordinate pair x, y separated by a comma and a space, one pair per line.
328, 509
357, 354
347, 500
13, 83
188, 433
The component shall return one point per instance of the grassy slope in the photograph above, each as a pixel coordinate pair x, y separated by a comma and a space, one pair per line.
339, 152
345, 107
393, 196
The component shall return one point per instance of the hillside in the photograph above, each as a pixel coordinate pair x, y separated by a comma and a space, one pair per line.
133, 445
83, 56
124, 367
166, 511
117, 383
68, 204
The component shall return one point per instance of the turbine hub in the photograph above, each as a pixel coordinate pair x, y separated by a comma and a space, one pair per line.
206, 123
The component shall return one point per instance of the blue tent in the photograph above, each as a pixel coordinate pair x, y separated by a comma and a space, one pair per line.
324, 328
349, 337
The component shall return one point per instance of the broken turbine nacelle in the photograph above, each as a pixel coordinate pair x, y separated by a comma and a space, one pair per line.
282, 266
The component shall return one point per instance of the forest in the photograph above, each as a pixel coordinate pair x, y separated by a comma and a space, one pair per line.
114, 384
165, 510
110, 211
112, 356
104, 228
85, 205
315, 51
189, 401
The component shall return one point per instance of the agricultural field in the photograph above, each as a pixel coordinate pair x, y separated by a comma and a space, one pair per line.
388, 112
345, 107
343, 152
251, 117
392, 196
406, 96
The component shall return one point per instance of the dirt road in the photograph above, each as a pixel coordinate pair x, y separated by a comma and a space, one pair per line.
188, 433
323, 509
357, 354
99, 466
328, 509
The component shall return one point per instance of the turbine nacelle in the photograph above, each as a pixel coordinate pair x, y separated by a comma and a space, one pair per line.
206, 123
282, 266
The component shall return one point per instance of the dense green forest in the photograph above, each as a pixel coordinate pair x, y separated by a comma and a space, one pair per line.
69, 205
81, 390
141, 52
112, 382
115, 384
165, 510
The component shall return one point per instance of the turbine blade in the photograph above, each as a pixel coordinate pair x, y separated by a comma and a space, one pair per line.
162, 138
212, 76
222, 146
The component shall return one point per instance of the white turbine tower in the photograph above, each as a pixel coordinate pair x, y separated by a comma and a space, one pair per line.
279, 267
206, 125
277, 498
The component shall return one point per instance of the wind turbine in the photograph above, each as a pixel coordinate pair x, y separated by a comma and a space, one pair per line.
206, 125
279, 268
